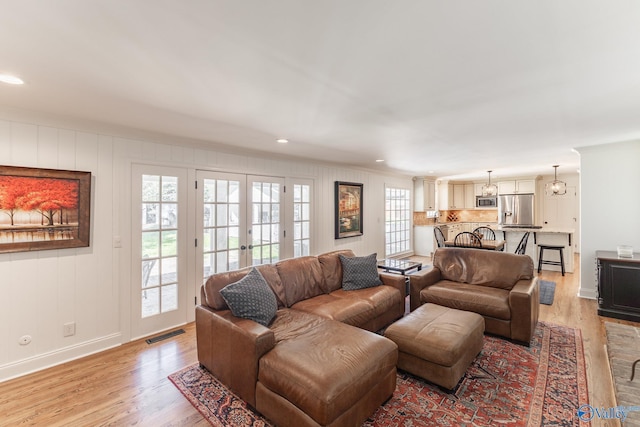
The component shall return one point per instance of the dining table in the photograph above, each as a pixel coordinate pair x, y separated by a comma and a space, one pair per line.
492, 245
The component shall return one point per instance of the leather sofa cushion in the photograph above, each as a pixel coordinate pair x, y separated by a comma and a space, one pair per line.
301, 277
324, 367
484, 300
211, 296
351, 311
381, 298
356, 308
332, 268
483, 267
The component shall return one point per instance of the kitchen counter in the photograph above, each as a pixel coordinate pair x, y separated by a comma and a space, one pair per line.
560, 236
538, 230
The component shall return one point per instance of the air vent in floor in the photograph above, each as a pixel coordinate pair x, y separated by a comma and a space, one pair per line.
165, 336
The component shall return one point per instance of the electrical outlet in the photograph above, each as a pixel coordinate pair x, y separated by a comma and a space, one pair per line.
69, 329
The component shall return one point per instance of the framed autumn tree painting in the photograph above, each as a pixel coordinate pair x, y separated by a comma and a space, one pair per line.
43, 209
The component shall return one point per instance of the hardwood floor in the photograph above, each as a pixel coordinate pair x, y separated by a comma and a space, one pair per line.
128, 385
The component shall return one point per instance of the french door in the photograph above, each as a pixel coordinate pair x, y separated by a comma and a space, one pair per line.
159, 248
239, 221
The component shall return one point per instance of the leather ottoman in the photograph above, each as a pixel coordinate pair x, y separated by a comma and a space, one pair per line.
437, 343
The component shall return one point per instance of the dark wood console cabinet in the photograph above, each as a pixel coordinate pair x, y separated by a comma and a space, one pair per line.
618, 286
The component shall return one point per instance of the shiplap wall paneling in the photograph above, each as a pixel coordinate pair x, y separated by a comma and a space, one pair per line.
88, 282
24, 145
108, 315
5, 142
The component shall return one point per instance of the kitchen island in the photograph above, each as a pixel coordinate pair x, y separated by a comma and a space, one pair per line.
542, 236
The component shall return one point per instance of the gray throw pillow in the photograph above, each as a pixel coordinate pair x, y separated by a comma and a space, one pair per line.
251, 298
359, 272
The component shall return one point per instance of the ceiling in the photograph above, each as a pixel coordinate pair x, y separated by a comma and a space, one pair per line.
443, 88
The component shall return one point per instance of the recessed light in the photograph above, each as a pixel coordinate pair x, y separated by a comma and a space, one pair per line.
282, 141
12, 80
379, 161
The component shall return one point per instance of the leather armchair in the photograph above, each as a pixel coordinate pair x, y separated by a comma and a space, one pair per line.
499, 286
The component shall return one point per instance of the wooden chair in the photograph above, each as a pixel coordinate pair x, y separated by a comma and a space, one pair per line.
467, 240
522, 246
485, 232
439, 236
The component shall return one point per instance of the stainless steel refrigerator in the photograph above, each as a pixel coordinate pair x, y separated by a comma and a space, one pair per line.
516, 209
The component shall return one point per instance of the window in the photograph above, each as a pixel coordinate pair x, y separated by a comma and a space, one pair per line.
301, 219
397, 221
159, 244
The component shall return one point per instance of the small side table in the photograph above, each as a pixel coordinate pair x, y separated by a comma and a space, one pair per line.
401, 267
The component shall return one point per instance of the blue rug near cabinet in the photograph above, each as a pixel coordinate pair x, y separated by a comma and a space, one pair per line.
547, 291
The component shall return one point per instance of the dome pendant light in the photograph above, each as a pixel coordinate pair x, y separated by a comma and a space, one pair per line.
489, 189
555, 188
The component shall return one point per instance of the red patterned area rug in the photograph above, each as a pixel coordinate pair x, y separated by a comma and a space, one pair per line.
507, 385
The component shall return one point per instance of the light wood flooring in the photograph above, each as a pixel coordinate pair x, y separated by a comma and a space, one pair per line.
128, 385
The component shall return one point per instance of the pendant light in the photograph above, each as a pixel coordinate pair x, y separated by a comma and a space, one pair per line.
489, 189
555, 188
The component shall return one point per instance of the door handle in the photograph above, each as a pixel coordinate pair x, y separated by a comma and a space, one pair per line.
250, 246
243, 247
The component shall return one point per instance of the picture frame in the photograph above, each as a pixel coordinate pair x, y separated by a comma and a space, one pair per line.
43, 209
348, 209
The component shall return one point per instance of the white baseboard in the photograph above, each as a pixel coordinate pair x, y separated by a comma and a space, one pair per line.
587, 293
46, 360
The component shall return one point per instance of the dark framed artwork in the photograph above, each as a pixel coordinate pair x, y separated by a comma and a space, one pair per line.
348, 206
43, 209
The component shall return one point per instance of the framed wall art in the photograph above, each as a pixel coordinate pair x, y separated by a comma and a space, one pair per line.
348, 210
43, 209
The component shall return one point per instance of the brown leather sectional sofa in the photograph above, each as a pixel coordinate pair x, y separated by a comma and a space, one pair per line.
499, 286
317, 363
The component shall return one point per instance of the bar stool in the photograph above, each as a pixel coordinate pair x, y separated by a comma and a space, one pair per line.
552, 248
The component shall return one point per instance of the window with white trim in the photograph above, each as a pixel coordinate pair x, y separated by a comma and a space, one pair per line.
301, 219
397, 221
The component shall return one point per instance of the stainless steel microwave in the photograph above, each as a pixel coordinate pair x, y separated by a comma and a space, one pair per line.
486, 202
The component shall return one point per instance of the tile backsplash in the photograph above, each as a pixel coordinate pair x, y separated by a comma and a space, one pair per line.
462, 215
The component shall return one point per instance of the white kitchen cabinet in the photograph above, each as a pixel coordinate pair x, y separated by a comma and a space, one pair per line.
443, 196
454, 229
478, 189
526, 186
458, 196
452, 195
506, 187
446, 196
469, 196
429, 198
418, 195
521, 186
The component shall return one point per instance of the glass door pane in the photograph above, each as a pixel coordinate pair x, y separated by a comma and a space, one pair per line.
240, 221
159, 244
159, 250
301, 219
265, 220
221, 205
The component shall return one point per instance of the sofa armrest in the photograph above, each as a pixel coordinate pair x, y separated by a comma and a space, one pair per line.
420, 280
524, 301
397, 281
231, 348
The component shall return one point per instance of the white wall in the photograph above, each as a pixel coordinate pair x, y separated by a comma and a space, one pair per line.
610, 204
561, 218
40, 291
